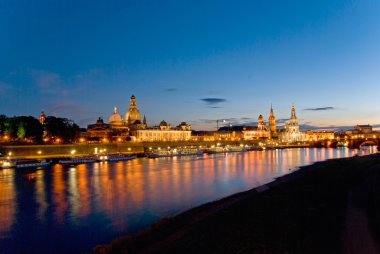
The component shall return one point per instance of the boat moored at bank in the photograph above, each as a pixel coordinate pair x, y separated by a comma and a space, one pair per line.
76, 160
226, 149
29, 163
179, 151
115, 157
6, 164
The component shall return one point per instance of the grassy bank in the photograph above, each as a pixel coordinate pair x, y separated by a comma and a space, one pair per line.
300, 213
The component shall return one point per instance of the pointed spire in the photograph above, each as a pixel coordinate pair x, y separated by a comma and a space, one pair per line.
271, 111
293, 111
144, 120
115, 110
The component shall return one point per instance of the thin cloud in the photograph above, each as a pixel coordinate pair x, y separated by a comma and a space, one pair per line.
48, 82
320, 109
282, 120
213, 101
170, 90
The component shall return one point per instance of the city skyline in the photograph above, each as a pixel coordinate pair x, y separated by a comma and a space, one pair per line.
192, 61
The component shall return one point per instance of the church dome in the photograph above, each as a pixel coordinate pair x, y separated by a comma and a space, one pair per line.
163, 123
133, 114
115, 118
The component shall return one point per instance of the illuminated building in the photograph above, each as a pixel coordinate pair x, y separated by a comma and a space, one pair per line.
361, 131
42, 117
261, 131
203, 135
365, 129
99, 132
272, 122
319, 135
229, 133
292, 132
115, 119
164, 132
132, 116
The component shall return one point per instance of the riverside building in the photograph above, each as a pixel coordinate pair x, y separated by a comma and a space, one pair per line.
164, 132
259, 132
131, 128
292, 133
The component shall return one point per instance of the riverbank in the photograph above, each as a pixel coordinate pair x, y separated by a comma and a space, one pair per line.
66, 150
303, 212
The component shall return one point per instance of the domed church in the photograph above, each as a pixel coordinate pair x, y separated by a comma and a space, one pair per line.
115, 118
132, 128
133, 114
292, 133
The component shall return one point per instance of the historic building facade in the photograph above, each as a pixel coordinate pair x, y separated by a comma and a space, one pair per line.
164, 132
292, 133
98, 132
319, 135
259, 132
272, 123
132, 128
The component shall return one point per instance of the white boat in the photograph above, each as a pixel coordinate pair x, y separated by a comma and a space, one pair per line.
25, 163
115, 157
159, 153
232, 149
78, 160
216, 149
227, 149
6, 164
179, 151
189, 151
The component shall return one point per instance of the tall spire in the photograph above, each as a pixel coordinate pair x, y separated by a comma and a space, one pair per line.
115, 110
144, 121
272, 120
293, 116
271, 110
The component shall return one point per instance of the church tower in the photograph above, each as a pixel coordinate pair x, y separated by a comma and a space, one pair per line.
293, 118
133, 114
272, 121
260, 123
42, 118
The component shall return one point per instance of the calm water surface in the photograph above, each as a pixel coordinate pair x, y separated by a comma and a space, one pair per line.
70, 209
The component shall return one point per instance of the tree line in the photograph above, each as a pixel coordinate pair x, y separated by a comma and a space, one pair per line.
27, 129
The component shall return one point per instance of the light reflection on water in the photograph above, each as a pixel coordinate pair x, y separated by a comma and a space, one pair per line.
70, 209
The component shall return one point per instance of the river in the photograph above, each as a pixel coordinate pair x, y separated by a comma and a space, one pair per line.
66, 209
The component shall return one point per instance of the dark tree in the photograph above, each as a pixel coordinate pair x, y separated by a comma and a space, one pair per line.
20, 127
29, 127
66, 129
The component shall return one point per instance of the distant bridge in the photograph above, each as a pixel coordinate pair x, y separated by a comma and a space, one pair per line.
349, 142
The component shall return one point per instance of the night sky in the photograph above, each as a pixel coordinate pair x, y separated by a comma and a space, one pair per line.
193, 61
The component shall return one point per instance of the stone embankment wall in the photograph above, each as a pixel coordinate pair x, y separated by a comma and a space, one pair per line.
56, 151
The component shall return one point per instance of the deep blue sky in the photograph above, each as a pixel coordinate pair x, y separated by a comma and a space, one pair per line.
193, 61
